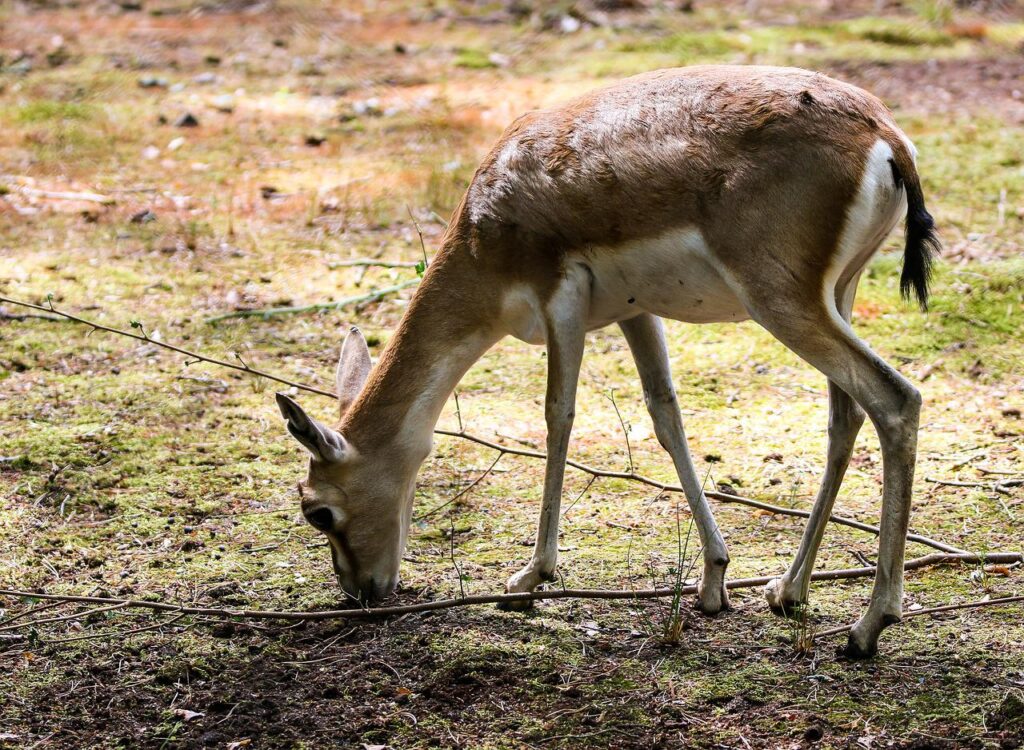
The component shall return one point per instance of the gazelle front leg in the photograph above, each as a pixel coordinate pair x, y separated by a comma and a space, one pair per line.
646, 338
565, 330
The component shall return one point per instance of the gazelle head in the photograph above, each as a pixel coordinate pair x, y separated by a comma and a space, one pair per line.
362, 507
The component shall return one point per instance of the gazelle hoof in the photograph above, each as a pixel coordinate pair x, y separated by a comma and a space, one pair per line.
527, 579
857, 651
712, 600
779, 601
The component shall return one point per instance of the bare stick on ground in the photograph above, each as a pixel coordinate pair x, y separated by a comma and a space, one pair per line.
359, 299
373, 612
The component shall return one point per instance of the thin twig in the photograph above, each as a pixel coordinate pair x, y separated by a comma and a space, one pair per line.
936, 558
423, 245
4, 315
475, 482
932, 611
370, 263
359, 299
625, 429
62, 618
579, 496
455, 564
997, 486
118, 634
29, 612
463, 435
722, 496
164, 345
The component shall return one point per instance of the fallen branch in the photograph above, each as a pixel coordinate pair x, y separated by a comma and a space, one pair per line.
372, 612
932, 611
463, 435
357, 300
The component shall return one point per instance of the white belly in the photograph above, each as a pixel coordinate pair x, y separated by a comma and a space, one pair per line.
670, 276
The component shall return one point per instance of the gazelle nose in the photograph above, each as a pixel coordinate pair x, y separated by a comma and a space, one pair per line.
373, 590
320, 518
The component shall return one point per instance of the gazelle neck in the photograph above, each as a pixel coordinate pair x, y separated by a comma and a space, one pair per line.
449, 325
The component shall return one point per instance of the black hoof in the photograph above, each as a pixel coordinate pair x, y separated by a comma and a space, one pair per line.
790, 610
855, 653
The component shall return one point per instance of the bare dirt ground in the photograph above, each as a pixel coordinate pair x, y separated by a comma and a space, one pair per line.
168, 162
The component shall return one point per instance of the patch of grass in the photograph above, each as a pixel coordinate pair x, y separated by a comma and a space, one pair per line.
53, 111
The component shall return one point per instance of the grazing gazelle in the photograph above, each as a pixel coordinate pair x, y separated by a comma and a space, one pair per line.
700, 194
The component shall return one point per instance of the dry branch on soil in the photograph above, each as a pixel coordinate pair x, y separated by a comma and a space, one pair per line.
241, 366
933, 611
373, 612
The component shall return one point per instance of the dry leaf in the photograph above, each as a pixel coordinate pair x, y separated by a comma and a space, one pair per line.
997, 570
184, 713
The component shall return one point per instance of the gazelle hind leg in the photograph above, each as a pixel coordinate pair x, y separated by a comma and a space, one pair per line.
646, 339
821, 337
845, 418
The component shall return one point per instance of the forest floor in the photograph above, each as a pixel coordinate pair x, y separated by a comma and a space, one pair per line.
247, 149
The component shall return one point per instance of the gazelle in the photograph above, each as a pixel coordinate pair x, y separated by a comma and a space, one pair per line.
700, 194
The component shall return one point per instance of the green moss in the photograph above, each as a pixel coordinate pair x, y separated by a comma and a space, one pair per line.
474, 59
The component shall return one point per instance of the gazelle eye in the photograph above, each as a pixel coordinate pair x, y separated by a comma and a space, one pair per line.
321, 519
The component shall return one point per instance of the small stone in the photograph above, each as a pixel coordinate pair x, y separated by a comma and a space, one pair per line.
175, 144
152, 82
187, 120
205, 77
143, 217
150, 152
314, 139
368, 107
569, 25
224, 103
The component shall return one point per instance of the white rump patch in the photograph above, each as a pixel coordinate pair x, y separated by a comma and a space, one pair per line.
869, 219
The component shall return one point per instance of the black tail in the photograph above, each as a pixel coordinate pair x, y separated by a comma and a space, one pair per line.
922, 242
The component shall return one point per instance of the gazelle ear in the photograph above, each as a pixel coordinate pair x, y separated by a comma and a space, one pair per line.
353, 368
324, 443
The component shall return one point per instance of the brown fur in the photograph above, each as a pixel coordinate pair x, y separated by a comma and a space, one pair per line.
772, 159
